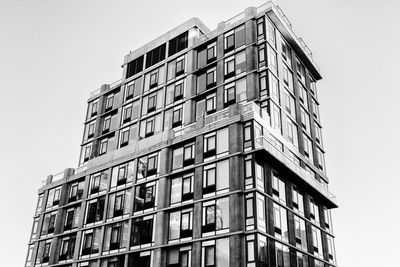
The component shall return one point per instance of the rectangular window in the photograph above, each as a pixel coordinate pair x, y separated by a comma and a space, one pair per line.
179, 257
67, 248
301, 71
93, 108
145, 196
206, 55
124, 138
289, 104
278, 188
122, 174
314, 212
72, 218
95, 210
300, 233
156, 55
49, 222
114, 236
280, 222
147, 166
271, 34
211, 103
331, 249
177, 116
260, 29
178, 91
106, 124
215, 253
234, 39
53, 198
75, 191
303, 95
282, 255
91, 241
118, 204
180, 224
317, 242
307, 144
90, 129
142, 231
43, 253
109, 102
298, 203
216, 143
134, 67
301, 260
178, 44
181, 188
98, 182
216, 177
229, 94
210, 78
291, 132
286, 52
215, 215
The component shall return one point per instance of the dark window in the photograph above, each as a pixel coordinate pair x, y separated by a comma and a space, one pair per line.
142, 232
103, 146
209, 179
180, 67
135, 259
211, 104
229, 95
177, 117
149, 127
144, 197
151, 106
210, 80
210, 146
134, 67
95, 210
209, 256
127, 114
156, 55
211, 53
178, 44
229, 42
109, 102
67, 248
106, 124
178, 92
90, 130
154, 79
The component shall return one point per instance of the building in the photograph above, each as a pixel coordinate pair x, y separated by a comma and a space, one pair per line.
208, 152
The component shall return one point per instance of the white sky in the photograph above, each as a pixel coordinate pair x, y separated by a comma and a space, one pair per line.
53, 53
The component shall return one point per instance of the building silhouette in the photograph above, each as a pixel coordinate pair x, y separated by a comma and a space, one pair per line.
208, 152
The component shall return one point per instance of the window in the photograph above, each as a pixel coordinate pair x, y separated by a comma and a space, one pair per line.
206, 55
263, 251
272, 62
307, 147
278, 188
124, 139
114, 236
282, 255
178, 44
313, 86
261, 217
271, 33
134, 67
180, 224
215, 253
116, 261
183, 156
261, 56
153, 79
317, 241
318, 135
250, 211
87, 152
303, 95
327, 219
300, 233
206, 80
320, 159
286, 53
210, 79
289, 104
95, 210
177, 116
118, 204
315, 109
145, 196
291, 132
301, 71
106, 124
91, 241
235, 65
90, 129
142, 259
276, 117
280, 222
53, 198
109, 102
180, 67
156, 55
182, 188
49, 222
142, 231
179, 257
211, 103
98, 182
67, 248
72, 216
216, 177
39, 204
216, 215
314, 211
178, 91
43, 253
331, 249
75, 191
216, 143
301, 260
147, 166
298, 204
260, 29
92, 108
234, 39
229, 94
122, 174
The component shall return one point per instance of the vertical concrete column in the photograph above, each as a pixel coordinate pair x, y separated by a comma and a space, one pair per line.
236, 173
252, 88
197, 220
196, 253
159, 257
237, 251
236, 212
235, 138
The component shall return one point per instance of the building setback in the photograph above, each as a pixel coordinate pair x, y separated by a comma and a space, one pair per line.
208, 152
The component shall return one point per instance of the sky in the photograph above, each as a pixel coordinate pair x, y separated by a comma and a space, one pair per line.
53, 53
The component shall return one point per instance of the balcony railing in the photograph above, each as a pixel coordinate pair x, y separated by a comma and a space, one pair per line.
268, 143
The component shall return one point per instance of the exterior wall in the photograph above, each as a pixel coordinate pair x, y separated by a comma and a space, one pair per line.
253, 235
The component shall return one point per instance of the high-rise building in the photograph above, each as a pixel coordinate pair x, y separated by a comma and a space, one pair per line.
208, 152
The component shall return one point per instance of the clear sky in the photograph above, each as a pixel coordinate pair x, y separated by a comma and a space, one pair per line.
53, 53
